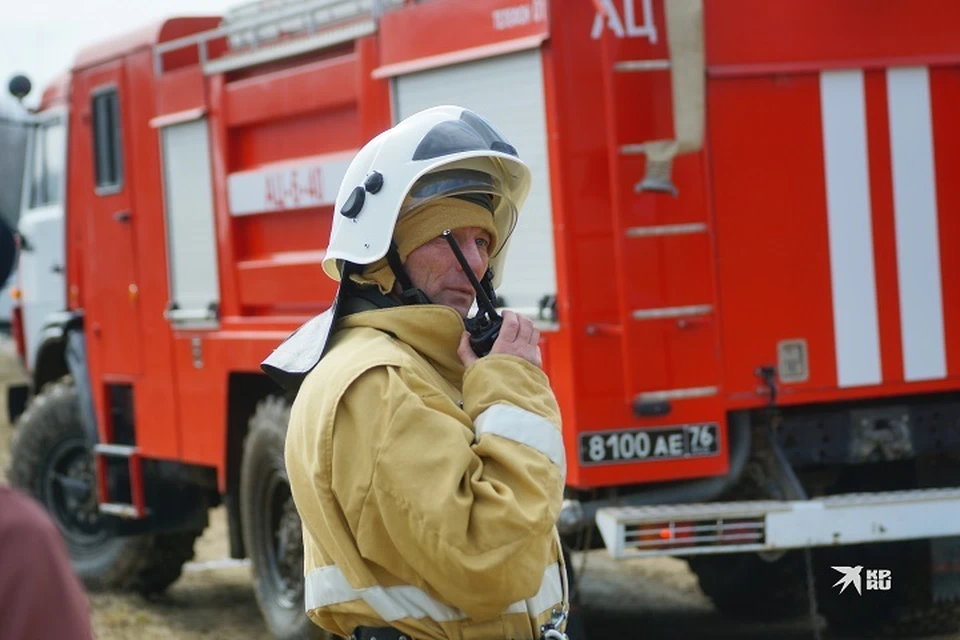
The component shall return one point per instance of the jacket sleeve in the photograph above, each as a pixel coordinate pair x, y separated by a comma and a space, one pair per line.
469, 498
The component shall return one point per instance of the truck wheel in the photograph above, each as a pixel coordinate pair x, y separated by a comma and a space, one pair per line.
52, 461
744, 585
162, 564
271, 525
907, 609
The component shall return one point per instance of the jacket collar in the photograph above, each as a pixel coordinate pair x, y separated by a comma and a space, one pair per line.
432, 330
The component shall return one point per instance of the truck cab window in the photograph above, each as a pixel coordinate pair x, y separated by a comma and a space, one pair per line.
107, 153
46, 170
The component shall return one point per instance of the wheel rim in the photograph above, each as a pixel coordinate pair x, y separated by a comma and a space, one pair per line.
69, 492
283, 541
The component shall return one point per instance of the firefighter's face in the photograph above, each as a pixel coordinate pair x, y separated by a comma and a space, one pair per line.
434, 269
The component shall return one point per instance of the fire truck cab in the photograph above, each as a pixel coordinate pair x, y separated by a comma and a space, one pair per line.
13, 137
739, 247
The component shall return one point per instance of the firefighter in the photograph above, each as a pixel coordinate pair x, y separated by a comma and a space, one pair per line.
428, 478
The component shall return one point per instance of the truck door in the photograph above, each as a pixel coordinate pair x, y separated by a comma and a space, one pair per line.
112, 291
41, 228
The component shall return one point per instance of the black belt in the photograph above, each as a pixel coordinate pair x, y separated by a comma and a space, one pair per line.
378, 633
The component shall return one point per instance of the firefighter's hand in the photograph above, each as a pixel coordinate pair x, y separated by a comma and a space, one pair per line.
518, 337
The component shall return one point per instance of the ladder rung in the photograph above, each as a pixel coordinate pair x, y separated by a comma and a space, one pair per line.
633, 149
122, 510
641, 65
672, 312
121, 450
677, 394
666, 230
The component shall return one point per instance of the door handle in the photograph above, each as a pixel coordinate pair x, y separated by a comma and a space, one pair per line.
122, 216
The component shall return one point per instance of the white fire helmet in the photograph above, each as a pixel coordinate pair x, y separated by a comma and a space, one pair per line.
437, 153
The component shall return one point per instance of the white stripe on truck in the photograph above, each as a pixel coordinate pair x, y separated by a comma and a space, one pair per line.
856, 330
915, 213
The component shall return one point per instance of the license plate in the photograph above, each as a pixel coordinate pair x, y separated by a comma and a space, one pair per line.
645, 445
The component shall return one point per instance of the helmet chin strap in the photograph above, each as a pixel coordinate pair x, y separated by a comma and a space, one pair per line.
409, 294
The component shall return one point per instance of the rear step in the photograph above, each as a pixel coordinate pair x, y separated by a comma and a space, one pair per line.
134, 510
725, 527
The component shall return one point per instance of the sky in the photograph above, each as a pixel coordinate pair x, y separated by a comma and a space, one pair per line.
41, 37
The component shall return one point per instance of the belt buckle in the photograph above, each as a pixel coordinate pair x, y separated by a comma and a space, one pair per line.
551, 630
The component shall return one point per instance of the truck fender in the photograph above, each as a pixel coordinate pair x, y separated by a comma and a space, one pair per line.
49, 358
76, 357
63, 351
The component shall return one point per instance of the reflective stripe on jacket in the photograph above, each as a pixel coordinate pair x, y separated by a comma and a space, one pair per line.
429, 493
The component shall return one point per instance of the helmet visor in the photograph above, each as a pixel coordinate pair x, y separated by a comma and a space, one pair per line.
476, 186
469, 133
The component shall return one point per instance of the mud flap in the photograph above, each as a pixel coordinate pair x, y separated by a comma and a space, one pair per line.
16, 401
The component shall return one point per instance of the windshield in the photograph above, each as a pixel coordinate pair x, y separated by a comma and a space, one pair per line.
46, 170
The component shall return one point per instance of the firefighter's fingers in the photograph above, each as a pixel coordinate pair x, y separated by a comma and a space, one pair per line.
467, 356
525, 334
510, 328
516, 338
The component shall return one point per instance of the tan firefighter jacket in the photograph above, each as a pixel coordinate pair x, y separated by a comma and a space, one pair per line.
428, 494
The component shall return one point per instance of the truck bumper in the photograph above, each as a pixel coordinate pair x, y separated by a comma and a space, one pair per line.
16, 401
727, 527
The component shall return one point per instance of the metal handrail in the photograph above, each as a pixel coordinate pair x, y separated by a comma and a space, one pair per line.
305, 12
255, 8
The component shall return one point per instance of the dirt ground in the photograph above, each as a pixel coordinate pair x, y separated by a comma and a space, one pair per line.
655, 598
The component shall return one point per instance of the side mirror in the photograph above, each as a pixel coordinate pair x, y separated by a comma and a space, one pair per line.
19, 86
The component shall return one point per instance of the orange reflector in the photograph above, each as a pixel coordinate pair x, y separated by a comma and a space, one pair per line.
15, 293
665, 534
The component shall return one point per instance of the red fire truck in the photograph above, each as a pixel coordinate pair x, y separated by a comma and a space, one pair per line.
740, 246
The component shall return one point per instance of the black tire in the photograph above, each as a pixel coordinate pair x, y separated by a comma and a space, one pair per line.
746, 585
163, 564
271, 525
52, 461
907, 609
